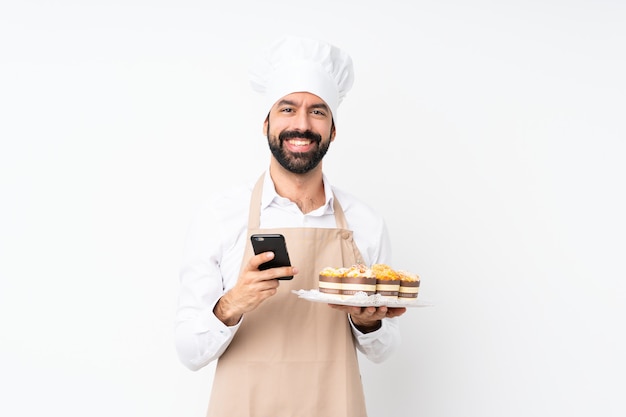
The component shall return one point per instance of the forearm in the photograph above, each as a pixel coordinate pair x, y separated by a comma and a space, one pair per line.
201, 337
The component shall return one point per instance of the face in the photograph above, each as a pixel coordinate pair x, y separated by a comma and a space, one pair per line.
299, 130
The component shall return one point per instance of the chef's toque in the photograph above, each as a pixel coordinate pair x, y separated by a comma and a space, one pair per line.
294, 64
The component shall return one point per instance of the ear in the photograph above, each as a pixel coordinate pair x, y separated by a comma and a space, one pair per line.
266, 124
333, 132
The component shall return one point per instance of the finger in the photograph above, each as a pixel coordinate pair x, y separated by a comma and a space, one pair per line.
269, 284
276, 273
371, 311
271, 273
268, 292
363, 313
374, 313
396, 311
347, 309
259, 259
284, 271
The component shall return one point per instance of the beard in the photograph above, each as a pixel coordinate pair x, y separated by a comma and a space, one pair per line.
298, 162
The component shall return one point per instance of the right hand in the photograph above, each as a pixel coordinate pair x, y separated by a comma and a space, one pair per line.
252, 288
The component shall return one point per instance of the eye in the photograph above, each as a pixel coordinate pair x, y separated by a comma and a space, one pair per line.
286, 110
318, 112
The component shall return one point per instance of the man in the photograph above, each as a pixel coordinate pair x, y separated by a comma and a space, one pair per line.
280, 355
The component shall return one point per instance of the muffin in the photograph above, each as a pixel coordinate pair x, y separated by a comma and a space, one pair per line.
387, 281
331, 281
343, 283
359, 278
409, 286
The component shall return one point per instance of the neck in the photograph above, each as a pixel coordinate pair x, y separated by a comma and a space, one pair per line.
305, 190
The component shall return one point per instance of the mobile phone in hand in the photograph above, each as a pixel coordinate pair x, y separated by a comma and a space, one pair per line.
272, 243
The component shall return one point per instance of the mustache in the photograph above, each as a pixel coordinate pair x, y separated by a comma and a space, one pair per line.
293, 134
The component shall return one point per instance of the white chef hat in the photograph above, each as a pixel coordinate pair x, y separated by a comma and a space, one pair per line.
294, 64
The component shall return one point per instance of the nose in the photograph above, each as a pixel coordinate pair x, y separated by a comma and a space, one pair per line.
302, 121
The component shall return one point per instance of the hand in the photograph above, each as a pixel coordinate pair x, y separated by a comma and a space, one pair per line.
252, 288
368, 319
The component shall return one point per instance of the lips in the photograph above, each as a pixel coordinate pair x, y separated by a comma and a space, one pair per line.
299, 142
299, 145
299, 138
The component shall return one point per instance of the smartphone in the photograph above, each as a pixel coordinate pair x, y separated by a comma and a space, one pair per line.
272, 243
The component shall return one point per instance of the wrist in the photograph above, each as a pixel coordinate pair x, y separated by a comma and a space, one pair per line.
367, 327
226, 312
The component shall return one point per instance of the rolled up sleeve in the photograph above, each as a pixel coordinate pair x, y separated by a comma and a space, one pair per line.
378, 345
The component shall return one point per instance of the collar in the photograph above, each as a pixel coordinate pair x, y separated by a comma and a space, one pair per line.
270, 195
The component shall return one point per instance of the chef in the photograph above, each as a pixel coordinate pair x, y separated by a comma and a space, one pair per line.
278, 355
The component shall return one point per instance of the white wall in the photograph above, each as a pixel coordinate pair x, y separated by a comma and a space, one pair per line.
490, 135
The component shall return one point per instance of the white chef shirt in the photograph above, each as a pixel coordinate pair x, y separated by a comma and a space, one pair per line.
214, 251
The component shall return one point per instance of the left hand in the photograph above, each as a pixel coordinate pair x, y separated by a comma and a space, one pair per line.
367, 319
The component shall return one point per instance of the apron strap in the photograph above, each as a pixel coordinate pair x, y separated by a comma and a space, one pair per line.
340, 218
254, 214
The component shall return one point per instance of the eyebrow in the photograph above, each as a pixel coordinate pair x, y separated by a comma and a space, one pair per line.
286, 102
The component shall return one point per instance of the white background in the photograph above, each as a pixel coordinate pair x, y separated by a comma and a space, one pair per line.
490, 134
